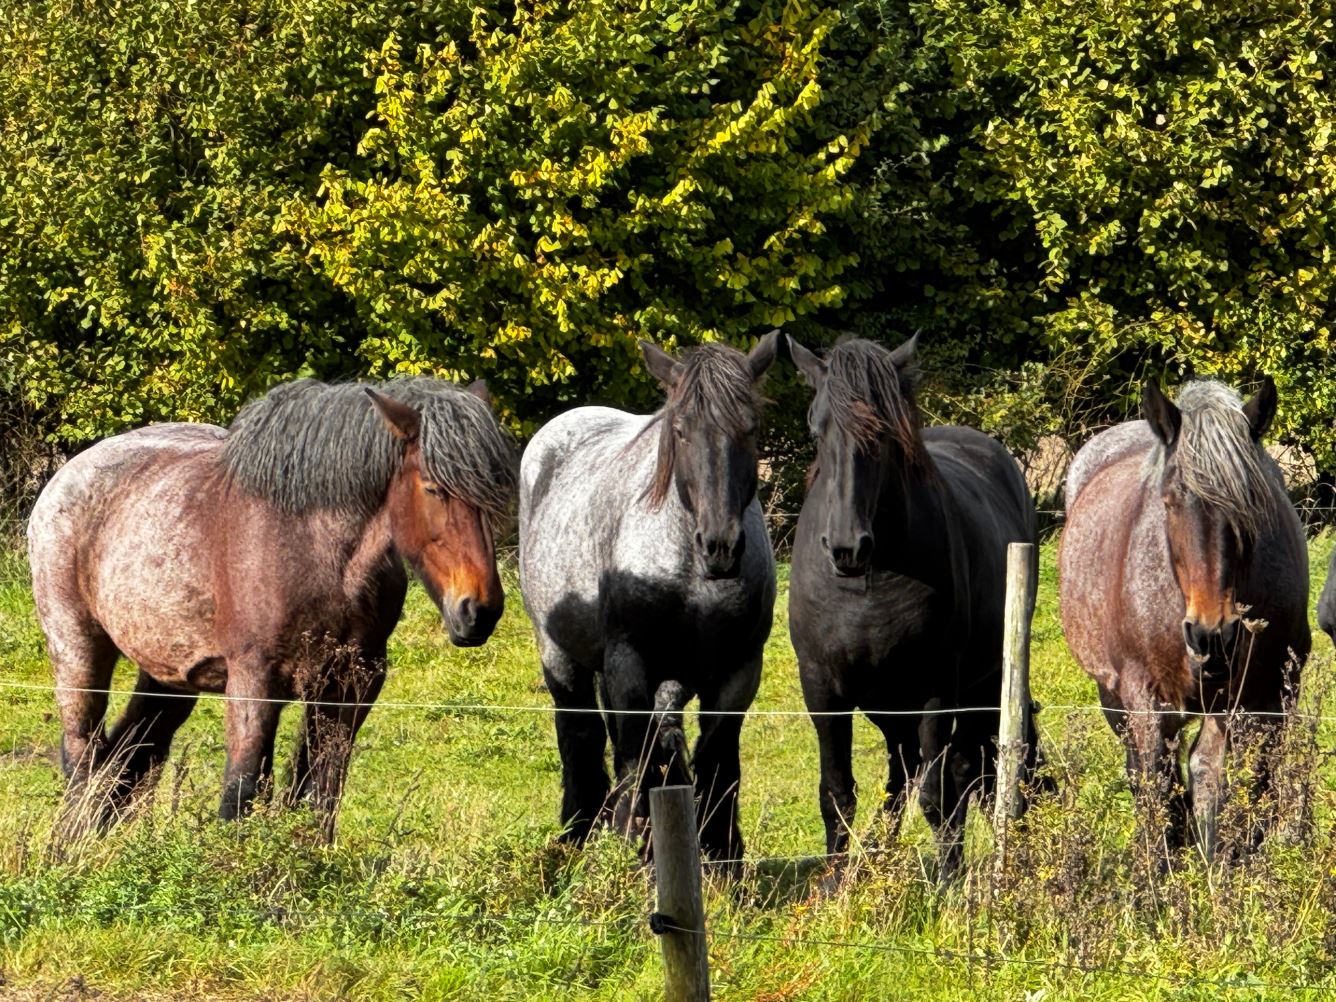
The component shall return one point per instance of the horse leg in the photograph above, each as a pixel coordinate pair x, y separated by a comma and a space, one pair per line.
837, 794
82, 660
250, 722
1263, 737
717, 766
935, 791
904, 757
964, 772
635, 746
582, 739
1150, 734
329, 727
1206, 767
142, 737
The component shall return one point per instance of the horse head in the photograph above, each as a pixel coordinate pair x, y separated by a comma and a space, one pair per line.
707, 443
866, 425
1210, 476
446, 538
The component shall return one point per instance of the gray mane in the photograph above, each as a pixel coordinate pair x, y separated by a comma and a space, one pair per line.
1218, 459
716, 385
308, 445
870, 397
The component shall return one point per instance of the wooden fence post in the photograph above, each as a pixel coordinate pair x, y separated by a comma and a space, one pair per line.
686, 961
1015, 722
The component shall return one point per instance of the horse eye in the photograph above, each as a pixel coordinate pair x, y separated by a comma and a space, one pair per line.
434, 491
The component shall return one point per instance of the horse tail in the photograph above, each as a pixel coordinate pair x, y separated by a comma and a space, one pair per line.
669, 700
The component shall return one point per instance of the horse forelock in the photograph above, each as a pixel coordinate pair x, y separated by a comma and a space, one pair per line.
308, 445
1220, 462
715, 387
870, 398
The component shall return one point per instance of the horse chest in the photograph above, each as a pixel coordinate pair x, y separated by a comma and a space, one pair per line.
664, 615
858, 629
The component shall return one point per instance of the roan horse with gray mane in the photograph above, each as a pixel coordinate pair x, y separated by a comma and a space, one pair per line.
647, 571
264, 562
898, 587
1184, 587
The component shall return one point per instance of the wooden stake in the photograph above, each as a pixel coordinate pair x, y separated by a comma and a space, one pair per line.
680, 920
1015, 721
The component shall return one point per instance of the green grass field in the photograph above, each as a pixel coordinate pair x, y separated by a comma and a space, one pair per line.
445, 881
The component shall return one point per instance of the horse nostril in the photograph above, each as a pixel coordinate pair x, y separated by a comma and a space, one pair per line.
468, 612
1197, 637
825, 542
864, 549
1228, 631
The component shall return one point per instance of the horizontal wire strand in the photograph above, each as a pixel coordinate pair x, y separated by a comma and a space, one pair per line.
484, 708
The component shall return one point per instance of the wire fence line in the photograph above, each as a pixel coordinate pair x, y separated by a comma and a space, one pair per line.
482, 709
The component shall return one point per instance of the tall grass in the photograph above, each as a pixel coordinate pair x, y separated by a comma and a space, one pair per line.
444, 880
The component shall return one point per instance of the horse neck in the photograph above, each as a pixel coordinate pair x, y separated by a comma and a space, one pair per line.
358, 544
912, 513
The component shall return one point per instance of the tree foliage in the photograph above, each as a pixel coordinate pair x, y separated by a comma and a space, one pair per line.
148, 150
1108, 190
562, 179
200, 199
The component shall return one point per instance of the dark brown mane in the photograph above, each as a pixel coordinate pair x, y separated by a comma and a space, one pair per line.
868, 398
715, 386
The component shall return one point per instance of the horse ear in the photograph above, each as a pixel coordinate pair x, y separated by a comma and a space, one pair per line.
1261, 409
403, 421
808, 362
660, 364
1163, 417
903, 355
760, 358
479, 389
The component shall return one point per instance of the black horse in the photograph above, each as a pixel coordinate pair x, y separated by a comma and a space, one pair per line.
898, 584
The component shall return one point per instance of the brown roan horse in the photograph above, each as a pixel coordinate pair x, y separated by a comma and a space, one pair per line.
1184, 586
265, 562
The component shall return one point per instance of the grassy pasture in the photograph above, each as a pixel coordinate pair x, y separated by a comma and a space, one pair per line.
445, 881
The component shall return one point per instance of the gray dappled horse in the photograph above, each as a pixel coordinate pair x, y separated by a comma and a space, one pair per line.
898, 585
646, 568
1183, 576
264, 562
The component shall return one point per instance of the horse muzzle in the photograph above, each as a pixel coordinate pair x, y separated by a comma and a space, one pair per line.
1211, 642
720, 555
470, 622
850, 561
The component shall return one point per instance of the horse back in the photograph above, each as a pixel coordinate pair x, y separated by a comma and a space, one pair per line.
986, 484
990, 508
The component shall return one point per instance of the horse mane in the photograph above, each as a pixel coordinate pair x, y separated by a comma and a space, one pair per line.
869, 398
1220, 462
309, 445
716, 385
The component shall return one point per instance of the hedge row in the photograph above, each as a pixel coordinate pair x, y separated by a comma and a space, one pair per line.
198, 200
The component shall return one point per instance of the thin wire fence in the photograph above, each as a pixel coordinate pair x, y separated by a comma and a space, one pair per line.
464, 709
